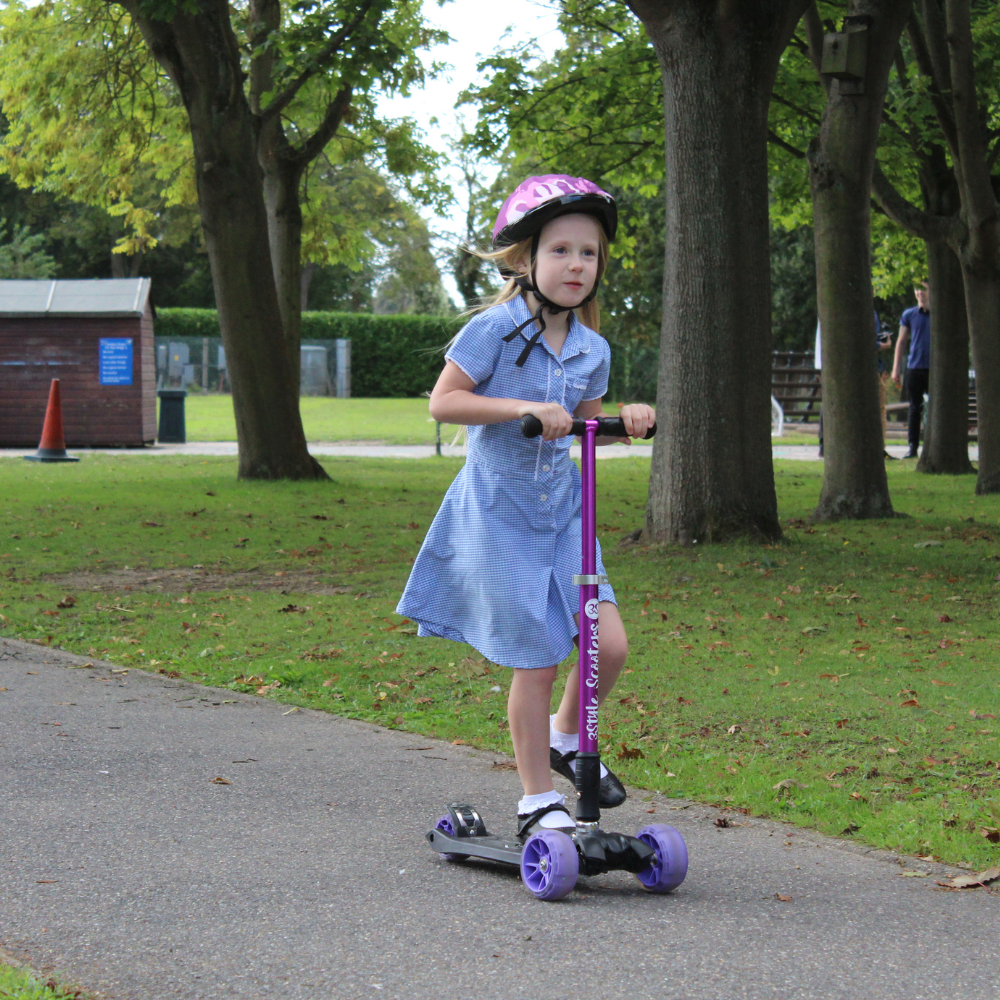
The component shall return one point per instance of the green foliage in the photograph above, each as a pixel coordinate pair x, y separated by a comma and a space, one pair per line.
23, 255
855, 659
95, 119
391, 356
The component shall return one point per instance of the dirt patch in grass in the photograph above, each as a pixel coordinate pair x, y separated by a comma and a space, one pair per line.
185, 580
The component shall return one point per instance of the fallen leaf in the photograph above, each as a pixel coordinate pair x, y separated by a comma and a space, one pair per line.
945, 618
67, 602
968, 881
294, 609
942, 683
841, 723
787, 783
782, 898
221, 781
722, 822
734, 729
458, 743
151, 524
924, 545
910, 703
991, 833
630, 753
913, 874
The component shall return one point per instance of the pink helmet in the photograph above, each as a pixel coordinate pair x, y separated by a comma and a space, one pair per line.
538, 200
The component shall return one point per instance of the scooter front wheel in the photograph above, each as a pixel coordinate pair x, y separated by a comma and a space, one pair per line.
670, 865
445, 825
550, 865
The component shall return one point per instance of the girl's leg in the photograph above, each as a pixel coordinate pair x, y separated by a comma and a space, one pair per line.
613, 652
528, 716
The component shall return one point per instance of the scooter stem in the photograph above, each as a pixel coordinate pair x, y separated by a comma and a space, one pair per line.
588, 761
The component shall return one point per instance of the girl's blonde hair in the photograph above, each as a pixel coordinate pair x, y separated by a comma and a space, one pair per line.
511, 259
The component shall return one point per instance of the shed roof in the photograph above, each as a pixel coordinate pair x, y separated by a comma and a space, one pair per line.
89, 297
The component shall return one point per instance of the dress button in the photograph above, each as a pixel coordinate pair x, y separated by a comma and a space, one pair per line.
545, 468
558, 371
543, 496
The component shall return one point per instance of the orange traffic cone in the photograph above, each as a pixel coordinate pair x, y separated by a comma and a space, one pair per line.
52, 447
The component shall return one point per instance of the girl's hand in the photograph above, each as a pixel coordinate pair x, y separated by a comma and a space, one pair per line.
556, 422
638, 418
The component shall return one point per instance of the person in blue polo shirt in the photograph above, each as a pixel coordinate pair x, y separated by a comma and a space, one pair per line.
915, 329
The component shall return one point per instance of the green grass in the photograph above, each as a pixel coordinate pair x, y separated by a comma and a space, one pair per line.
387, 421
19, 984
855, 660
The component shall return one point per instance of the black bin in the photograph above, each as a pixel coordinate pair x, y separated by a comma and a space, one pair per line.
172, 429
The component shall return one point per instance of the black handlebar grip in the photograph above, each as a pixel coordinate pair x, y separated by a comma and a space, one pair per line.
531, 427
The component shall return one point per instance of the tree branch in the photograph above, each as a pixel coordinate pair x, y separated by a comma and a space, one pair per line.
941, 104
970, 164
814, 32
907, 215
335, 112
937, 42
330, 49
776, 140
804, 112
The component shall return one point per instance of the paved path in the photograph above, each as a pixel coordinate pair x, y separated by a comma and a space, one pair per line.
368, 450
128, 868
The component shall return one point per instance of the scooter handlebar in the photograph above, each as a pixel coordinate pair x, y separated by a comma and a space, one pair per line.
531, 427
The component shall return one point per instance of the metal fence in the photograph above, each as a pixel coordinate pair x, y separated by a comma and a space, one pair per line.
200, 363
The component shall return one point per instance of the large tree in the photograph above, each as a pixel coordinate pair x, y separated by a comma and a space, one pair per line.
841, 162
965, 98
712, 475
262, 98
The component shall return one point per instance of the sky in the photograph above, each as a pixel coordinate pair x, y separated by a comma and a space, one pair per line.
478, 28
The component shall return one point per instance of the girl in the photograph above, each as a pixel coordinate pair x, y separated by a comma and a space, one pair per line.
496, 567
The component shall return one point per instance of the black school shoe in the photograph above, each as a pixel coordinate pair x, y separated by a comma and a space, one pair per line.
528, 824
612, 792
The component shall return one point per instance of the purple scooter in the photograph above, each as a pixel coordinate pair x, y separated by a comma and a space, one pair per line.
551, 861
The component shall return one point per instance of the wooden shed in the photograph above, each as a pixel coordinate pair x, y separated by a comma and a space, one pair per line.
96, 337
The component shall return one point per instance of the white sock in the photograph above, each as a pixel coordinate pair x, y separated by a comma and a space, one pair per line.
550, 821
565, 742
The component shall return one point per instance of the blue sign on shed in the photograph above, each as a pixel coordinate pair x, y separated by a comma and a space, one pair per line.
116, 361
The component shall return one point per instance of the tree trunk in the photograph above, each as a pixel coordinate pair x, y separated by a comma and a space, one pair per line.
284, 227
982, 299
712, 476
946, 438
842, 160
980, 253
201, 54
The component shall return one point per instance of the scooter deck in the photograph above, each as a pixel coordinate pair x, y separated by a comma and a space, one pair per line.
598, 850
506, 851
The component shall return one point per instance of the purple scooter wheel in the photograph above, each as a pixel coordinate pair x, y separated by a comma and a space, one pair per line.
550, 865
670, 865
445, 825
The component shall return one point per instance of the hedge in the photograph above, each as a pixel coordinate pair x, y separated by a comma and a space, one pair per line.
393, 356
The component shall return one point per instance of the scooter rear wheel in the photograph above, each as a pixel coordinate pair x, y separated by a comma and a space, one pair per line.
445, 825
550, 865
670, 865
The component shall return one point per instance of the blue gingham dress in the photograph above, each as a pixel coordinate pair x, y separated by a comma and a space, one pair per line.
496, 567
